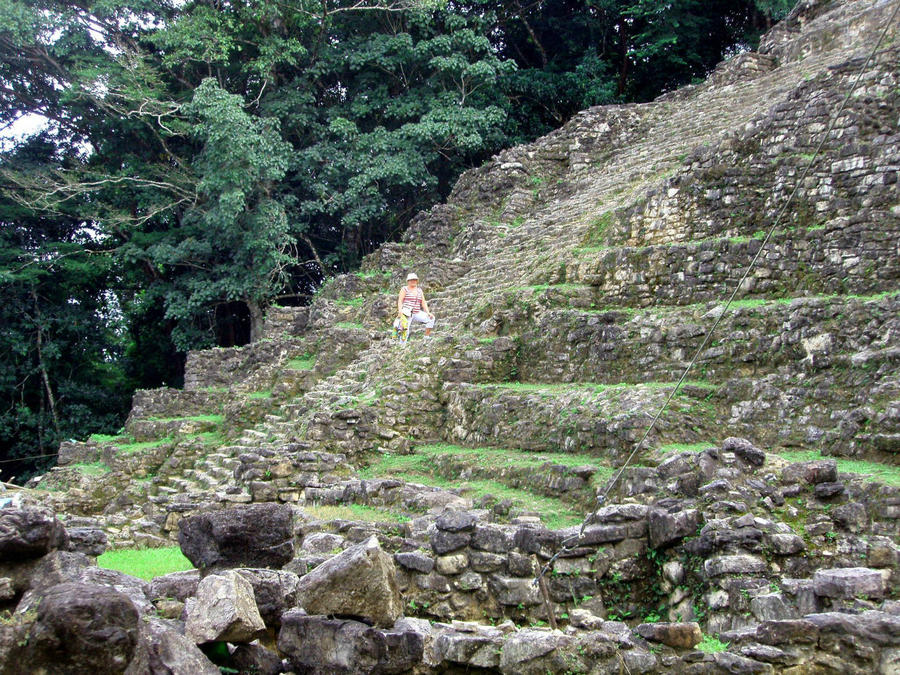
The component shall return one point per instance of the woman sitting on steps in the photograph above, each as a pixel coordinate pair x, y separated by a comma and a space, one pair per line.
411, 303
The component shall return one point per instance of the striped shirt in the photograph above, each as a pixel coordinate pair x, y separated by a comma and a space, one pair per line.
412, 299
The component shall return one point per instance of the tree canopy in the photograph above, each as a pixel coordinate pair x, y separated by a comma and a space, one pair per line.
203, 159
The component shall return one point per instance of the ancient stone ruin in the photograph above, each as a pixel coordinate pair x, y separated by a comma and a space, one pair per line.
352, 505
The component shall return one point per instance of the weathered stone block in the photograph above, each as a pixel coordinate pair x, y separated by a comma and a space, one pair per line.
734, 564
811, 473
788, 631
455, 521
849, 582
513, 592
451, 564
274, 591
318, 645
29, 532
678, 635
666, 528
360, 582
257, 535
418, 562
493, 538
224, 610
80, 628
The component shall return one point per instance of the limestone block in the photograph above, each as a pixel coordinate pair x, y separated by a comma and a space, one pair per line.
322, 543
734, 663
528, 645
88, 540
256, 535
418, 562
787, 544
29, 532
444, 542
493, 538
784, 632
744, 449
772, 607
849, 582
811, 473
80, 628
514, 591
177, 585
476, 650
452, 520
223, 611
666, 528
162, 649
274, 591
256, 659
734, 564
678, 635
359, 582
452, 564
318, 645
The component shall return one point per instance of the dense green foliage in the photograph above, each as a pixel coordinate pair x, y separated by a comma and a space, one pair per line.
204, 159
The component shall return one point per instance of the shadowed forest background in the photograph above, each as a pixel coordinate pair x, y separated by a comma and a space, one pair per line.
200, 161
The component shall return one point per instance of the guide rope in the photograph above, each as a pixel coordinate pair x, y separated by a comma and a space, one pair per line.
571, 542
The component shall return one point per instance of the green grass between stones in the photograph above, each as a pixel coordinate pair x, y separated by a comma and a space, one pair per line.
419, 468
686, 447
370, 514
90, 468
305, 362
883, 473
590, 386
212, 419
712, 645
145, 563
127, 444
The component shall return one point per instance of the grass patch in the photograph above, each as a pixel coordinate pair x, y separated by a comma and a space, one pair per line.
873, 471
685, 447
145, 563
106, 438
590, 386
214, 419
129, 448
712, 645
91, 468
305, 362
418, 468
371, 274
349, 325
351, 302
211, 438
501, 457
370, 514
262, 394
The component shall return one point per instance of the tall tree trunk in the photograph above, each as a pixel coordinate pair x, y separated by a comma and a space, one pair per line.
256, 319
45, 377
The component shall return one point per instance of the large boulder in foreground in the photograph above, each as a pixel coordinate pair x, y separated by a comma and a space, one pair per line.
359, 582
256, 535
318, 645
29, 532
162, 650
79, 628
223, 611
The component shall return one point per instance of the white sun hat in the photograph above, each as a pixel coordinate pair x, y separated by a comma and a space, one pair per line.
411, 276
